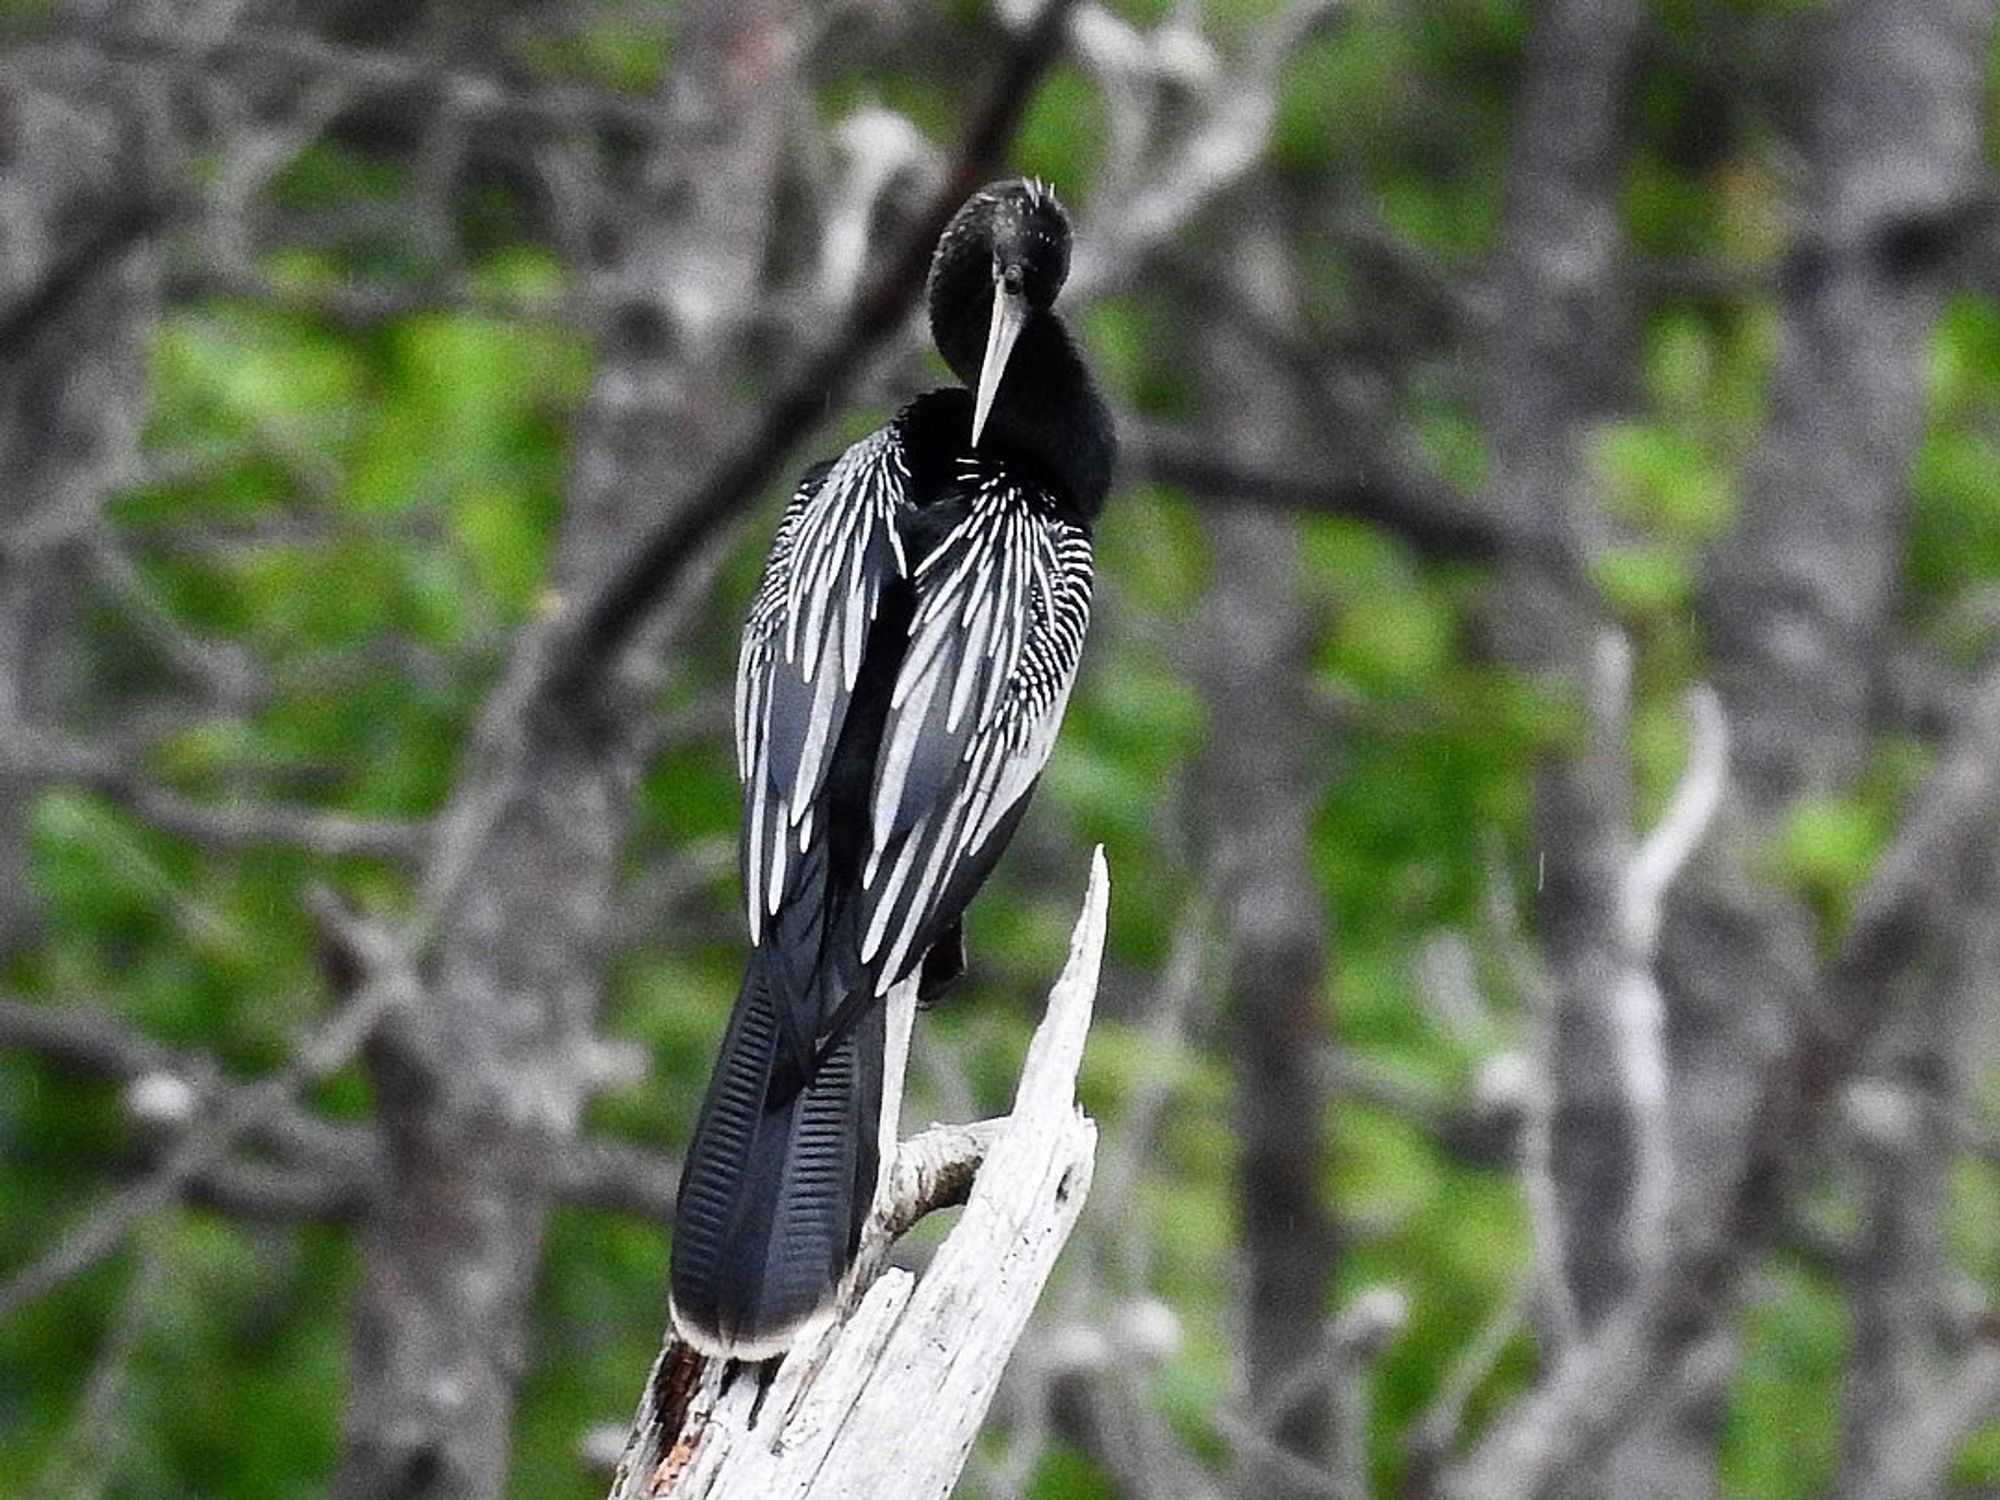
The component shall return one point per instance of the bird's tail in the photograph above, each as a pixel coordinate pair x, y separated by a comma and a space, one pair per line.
777, 1182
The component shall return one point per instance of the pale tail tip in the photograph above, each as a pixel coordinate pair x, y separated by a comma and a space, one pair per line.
754, 1349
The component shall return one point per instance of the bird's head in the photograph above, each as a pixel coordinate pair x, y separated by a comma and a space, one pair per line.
1002, 259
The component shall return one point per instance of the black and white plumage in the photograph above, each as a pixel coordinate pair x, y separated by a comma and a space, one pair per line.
904, 670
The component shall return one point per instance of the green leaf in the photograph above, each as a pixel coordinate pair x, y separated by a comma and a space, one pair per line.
1643, 581
1830, 844
1663, 477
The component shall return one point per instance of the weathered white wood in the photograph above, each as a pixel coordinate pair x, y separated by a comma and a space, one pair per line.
885, 1404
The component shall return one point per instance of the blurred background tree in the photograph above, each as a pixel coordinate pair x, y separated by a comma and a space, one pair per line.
1530, 410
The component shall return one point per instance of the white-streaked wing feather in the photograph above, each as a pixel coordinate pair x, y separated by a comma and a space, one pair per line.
1002, 604
837, 548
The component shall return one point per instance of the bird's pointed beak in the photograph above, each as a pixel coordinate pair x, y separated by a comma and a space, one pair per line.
1010, 316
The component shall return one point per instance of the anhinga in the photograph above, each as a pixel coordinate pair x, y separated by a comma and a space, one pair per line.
904, 668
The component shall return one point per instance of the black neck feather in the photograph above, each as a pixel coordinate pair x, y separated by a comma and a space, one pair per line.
1047, 410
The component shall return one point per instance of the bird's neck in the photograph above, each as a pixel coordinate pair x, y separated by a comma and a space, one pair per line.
1047, 409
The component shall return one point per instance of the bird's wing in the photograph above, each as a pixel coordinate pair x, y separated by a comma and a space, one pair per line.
1002, 603
836, 550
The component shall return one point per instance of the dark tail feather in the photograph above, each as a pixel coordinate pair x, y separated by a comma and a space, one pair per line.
773, 1195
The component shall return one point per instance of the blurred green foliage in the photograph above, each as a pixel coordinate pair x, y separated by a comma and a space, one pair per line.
369, 513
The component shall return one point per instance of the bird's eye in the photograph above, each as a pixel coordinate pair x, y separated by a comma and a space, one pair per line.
1010, 278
